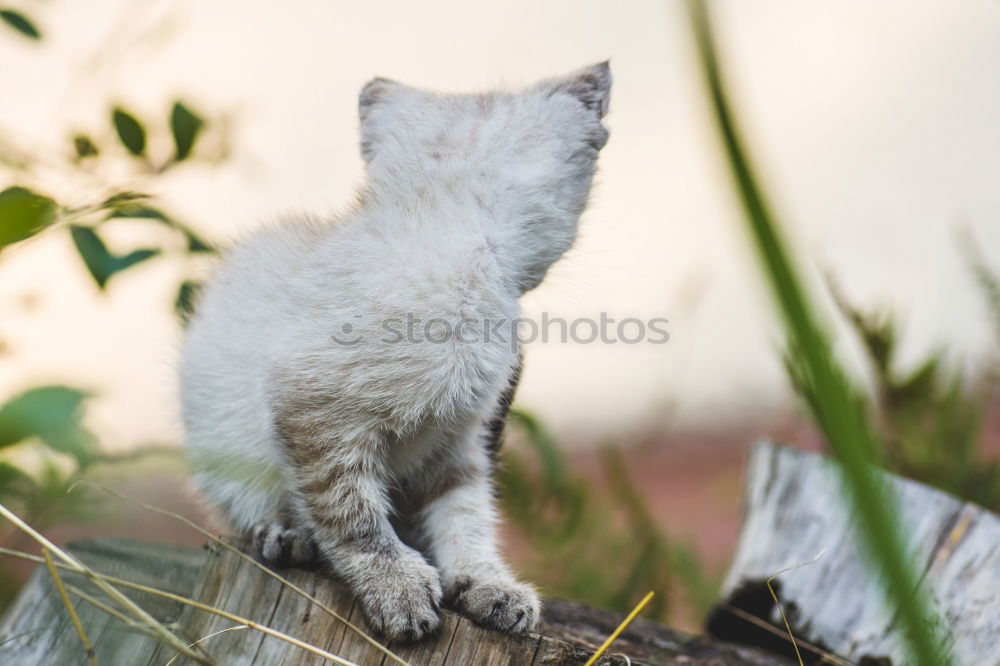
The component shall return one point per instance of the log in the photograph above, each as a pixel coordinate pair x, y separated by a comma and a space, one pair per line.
796, 508
36, 630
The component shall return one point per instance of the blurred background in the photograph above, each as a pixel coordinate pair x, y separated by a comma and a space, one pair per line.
137, 138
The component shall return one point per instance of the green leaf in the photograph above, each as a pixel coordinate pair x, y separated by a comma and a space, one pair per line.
51, 413
186, 295
141, 211
93, 251
15, 483
135, 257
544, 443
101, 263
133, 211
20, 23
23, 213
195, 243
84, 146
130, 131
9, 474
185, 125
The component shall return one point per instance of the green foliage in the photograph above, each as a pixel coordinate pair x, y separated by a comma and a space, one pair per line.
20, 22
129, 210
130, 131
43, 445
985, 277
84, 146
596, 544
545, 446
184, 302
45, 419
139, 211
101, 263
52, 414
23, 214
120, 199
836, 404
929, 417
43, 498
185, 126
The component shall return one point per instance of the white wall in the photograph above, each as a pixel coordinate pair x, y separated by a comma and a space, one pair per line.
875, 123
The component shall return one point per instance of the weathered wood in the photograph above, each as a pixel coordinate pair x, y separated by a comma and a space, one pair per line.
566, 626
459, 642
36, 631
795, 509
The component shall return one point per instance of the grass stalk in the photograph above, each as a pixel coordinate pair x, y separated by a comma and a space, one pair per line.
236, 551
619, 629
100, 605
108, 581
781, 609
201, 640
835, 404
828, 657
70, 609
74, 564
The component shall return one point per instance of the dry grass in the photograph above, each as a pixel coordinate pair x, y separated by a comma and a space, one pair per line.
619, 629
73, 564
134, 615
211, 635
828, 657
70, 609
109, 581
236, 551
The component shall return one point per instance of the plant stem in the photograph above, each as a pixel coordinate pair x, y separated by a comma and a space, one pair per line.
838, 409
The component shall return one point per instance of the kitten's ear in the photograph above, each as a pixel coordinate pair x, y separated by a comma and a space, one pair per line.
591, 85
373, 92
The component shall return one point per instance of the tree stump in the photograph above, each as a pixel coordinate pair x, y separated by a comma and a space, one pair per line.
36, 630
796, 509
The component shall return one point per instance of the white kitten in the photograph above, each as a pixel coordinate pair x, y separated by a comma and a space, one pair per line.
343, 391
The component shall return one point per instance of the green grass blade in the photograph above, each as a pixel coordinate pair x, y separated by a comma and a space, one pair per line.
837, 406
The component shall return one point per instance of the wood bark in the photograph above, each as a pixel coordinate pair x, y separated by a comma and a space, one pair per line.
797, 508
36, 630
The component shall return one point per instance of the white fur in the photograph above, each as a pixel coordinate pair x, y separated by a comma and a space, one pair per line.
469, 199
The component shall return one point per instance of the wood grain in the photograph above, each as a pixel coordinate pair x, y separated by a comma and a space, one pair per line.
36, 630
796, 509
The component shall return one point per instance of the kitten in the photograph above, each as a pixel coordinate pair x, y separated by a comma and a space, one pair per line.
327, 409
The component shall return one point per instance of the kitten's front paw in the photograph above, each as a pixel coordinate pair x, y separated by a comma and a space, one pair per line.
402, 603
503, 605
278, 543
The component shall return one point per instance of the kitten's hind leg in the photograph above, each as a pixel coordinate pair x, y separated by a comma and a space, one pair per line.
279, 541
342, 491
398, 591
